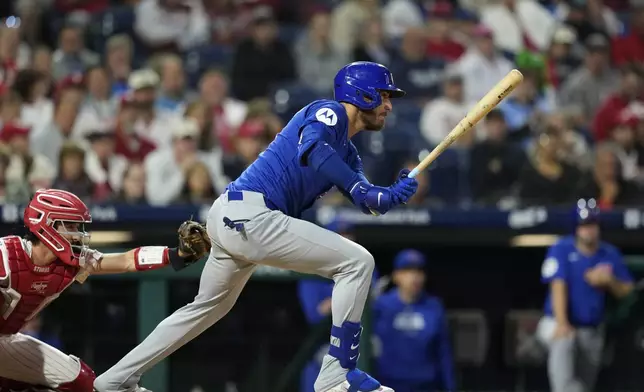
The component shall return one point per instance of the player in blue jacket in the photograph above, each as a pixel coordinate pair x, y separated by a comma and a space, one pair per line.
411, 326
580, 270
256, 221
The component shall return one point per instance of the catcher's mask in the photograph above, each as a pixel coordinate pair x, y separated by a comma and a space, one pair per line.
58, 218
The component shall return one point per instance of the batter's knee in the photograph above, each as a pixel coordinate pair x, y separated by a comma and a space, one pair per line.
365, 263
84, 381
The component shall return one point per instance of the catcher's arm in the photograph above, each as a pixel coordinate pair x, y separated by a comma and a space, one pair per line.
194, 243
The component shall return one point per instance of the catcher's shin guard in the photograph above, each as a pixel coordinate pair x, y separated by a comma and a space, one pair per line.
84, 382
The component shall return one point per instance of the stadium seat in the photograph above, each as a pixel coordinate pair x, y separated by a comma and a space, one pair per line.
289, 98
406, 110
289, 33
201, 59
446, 177
114, 20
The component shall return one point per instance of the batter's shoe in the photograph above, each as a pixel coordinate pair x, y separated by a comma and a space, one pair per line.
359, 381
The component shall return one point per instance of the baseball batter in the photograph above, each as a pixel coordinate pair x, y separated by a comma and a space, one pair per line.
256, 222
36, 269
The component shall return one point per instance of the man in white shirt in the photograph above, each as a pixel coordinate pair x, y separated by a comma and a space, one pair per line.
441, 114
166, 167
482, 66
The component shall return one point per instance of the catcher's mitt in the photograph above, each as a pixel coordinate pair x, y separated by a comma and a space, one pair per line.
194, 242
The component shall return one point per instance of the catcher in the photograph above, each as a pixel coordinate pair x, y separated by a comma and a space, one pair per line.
34, 270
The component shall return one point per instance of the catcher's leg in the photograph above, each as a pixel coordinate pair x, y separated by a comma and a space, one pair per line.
222, 280
28, 360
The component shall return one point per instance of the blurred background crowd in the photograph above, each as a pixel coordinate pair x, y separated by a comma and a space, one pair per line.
165, 101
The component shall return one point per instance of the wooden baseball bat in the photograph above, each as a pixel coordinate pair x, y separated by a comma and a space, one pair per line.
480, 110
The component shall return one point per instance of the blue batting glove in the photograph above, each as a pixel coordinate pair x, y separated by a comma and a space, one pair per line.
373, 199
404, 187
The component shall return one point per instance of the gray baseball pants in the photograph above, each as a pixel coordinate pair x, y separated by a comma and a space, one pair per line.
268, 238
574, 361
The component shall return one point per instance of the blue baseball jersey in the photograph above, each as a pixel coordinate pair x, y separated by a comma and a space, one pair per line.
281, 172
415, 343
585, 303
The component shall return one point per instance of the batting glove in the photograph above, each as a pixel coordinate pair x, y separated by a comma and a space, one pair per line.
404, 187
372, 199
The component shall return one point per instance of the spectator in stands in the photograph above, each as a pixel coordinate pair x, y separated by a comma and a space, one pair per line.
590, 85
481, 65
49, 140
80, 10
133, 189
372, 45
37, 109
622, 142
12, 49
262, 60
630, 47
119, 52
495, 162
97, 108
412, 331
71, 172
348, 19
10, 107
441, 114
173, 92
71, 56
249, 142
102, 165
606, 184
167, 167
561, 61
198, 188
574, 146
42, 62
34, 328
525, 107
416, 73
201, 113
127, 142
590, 17
545, 179
629, 95
519, 25
441, 42
398, 16
24, 165
260, 110
227, 113
172, 24
317, 59
8, 64
11, 191
151, 124
229, 19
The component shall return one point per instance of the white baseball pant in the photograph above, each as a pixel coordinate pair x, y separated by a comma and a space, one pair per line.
268, 238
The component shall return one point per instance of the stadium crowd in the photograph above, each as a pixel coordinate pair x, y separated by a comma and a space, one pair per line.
164, 101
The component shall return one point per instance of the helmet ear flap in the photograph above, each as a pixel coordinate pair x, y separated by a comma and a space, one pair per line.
370, 97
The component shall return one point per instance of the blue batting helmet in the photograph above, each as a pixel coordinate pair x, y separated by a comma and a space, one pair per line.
360, 84
587, 211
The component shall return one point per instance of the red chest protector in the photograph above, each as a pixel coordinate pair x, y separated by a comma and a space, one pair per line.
25, 289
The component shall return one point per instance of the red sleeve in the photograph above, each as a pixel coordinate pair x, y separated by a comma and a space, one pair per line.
605, 118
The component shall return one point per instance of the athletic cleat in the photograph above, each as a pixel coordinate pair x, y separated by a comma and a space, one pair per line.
359, 381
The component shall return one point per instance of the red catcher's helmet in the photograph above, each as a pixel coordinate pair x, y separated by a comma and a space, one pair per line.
50, 207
